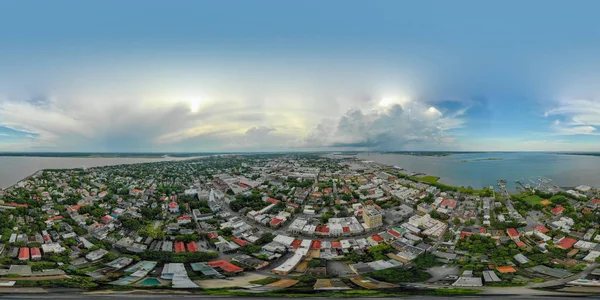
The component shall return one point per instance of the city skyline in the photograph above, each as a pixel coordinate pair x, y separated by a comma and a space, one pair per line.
272, 76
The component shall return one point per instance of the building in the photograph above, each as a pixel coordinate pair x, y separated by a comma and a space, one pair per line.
24, 253
96, 254
185, 219
372, 216
290, 264
173, 207
36, 254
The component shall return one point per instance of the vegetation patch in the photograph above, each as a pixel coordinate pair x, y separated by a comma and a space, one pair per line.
265, 281
427, 178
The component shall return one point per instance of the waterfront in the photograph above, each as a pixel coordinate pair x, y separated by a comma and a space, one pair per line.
479, 170
15, 168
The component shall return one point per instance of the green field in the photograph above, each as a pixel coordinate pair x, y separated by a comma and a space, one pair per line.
533, 199
427, 179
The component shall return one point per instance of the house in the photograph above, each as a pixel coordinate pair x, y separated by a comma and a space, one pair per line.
192, 247
185, 219
512, 233
24, 253
179, 247
558, 210
541, 228
225, 266
36, 253
96, 255
566, 243
173, 207
107, 219
275, 222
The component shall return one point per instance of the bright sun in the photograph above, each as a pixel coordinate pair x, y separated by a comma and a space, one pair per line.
194, 105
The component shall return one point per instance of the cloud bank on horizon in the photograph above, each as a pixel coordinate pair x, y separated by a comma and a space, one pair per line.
277, 76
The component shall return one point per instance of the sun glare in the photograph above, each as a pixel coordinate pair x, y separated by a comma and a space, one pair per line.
194, 106
389, 101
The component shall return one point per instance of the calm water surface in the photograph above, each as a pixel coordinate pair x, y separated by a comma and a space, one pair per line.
13, 168
565, 170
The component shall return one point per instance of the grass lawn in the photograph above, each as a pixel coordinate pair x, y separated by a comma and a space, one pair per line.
533, 199
265, 281
428, 179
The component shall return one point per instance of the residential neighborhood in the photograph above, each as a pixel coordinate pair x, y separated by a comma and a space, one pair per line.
325, 222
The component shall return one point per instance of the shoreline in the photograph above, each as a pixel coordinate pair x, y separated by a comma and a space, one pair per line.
158, 159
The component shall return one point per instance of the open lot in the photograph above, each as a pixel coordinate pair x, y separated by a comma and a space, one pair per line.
231, 282
533, 199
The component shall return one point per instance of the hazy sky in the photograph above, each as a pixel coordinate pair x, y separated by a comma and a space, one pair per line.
299, 75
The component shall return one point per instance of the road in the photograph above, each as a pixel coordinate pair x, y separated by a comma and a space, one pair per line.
558, 282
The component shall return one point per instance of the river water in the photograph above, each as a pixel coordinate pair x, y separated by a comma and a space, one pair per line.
478, 170
15, 168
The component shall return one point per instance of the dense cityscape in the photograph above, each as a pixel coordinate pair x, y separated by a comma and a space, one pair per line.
313, 224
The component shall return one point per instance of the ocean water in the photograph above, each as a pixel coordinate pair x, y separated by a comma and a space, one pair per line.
472, 169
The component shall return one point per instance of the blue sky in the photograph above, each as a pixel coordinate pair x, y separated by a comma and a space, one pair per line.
299, 75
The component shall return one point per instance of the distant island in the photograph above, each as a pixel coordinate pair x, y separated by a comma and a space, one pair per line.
480, 159
429, 153
100, 154
579, 153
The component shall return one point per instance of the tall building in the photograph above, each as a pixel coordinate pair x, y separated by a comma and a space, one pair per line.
372, 216
212, 203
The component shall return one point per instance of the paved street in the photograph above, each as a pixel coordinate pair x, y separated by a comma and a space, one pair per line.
558, 282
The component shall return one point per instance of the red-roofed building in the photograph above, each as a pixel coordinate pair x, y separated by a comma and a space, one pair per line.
179, 247
448, 204
73, 208
24, 253
192, 247
137, 192
595, 203
520, 244
238, 241
465, 234
336, 245
316, 195
541, 228
322, 229
14, 204
275, 222
558, 210
316, 244
51, 220
482, 230
173, 207
394, 232
296, 243
36, 253
107, 219
377, 238
185, 219
566, 243
213, 235
512, 233
225, 266
346, 229
273, 200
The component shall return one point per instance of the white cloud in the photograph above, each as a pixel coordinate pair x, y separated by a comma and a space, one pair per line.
394, 128
581, 117
110, 121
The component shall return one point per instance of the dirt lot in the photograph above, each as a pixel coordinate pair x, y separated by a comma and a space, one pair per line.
235, 281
